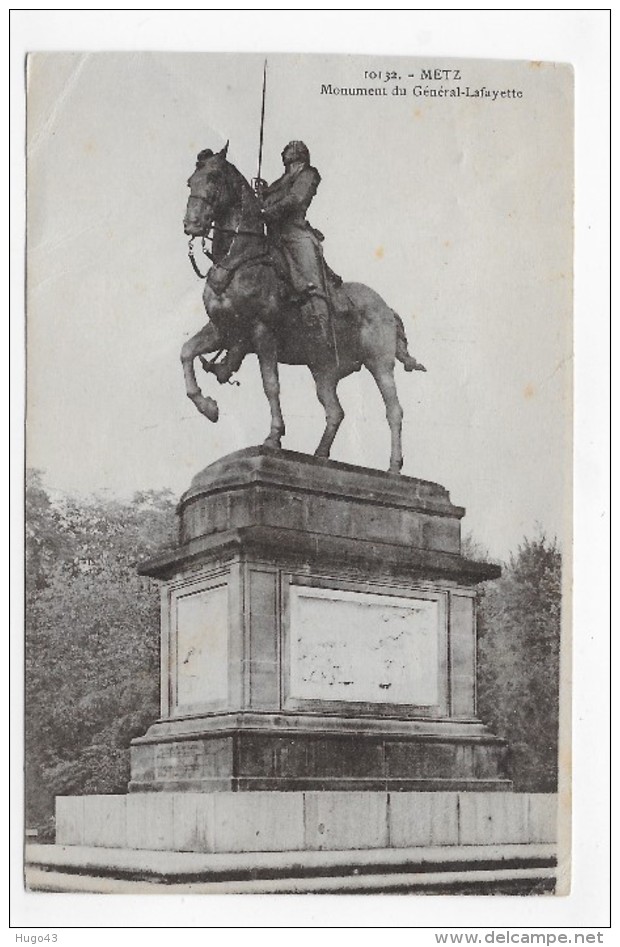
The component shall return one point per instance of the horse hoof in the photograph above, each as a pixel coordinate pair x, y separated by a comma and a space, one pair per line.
273, 442
209, 408
212, 411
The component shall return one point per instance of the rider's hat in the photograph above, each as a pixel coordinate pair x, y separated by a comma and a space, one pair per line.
296, 151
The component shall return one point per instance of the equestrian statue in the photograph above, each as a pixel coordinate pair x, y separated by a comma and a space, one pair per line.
270, 291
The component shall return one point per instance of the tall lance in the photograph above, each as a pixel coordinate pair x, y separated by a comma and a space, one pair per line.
257, 182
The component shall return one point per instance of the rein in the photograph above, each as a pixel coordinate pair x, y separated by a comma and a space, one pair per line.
242, 233
192, 258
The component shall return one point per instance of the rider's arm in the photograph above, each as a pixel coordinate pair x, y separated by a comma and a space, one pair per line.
298, 196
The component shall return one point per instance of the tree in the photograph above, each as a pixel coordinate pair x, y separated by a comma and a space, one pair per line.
518, 653
92, 639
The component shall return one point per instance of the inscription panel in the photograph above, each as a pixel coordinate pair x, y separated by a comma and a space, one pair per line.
363, 647
201, 620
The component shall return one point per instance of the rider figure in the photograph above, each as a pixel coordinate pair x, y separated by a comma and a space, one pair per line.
284, 206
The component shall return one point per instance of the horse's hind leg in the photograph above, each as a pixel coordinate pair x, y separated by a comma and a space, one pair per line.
204, 341
382, 371
326, 383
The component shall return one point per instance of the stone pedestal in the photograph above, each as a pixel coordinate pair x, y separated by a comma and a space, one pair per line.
318, 632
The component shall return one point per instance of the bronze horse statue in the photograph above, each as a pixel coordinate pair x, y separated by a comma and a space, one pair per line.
249, 308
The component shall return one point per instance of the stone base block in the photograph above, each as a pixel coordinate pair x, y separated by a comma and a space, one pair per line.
303, 821
243, 760
318, 633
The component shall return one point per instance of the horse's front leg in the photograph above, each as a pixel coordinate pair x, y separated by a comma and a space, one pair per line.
265, 343
326, 382
207, 340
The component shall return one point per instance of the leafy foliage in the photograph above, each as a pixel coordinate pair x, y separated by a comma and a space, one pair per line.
92, 639
518, 654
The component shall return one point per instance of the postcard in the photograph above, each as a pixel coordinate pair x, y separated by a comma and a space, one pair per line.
299, 413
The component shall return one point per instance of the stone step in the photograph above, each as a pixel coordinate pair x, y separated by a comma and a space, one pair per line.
472, 869
507, 881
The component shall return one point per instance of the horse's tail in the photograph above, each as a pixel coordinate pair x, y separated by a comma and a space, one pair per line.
410, 364
401, 335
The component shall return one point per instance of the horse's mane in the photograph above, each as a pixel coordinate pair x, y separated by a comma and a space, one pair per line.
249, 201
239, 179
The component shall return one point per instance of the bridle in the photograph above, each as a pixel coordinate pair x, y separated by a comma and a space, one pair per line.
209, 236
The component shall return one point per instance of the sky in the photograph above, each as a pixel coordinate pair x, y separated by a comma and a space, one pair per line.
459, 212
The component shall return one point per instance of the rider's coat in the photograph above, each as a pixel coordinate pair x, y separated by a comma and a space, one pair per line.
285, 204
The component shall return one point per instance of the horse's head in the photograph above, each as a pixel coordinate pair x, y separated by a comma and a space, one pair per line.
212, 190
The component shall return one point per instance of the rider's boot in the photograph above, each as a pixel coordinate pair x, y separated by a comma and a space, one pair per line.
317, 320
231, 363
